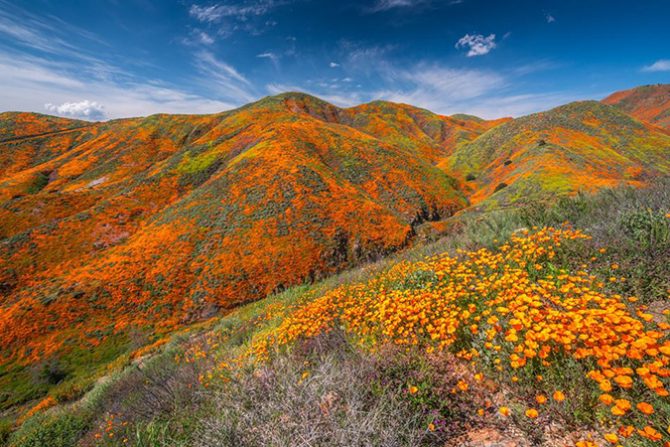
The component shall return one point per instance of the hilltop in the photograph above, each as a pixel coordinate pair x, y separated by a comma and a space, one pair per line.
648, 103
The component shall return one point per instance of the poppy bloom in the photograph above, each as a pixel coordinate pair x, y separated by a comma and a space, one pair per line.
531, 413
645, 408
611, 438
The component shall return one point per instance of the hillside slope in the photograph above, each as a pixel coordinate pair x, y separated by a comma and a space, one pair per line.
147, 224
582, 146
649, 103
114, 234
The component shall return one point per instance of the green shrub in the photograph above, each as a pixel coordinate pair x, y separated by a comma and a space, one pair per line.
5, 432
646, 227
40, 181
60, 430
500, 187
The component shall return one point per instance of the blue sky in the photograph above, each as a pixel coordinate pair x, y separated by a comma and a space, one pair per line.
107, 59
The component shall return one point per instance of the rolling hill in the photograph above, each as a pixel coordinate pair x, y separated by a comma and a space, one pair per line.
147, 224
582, 146
113, 234
649, 103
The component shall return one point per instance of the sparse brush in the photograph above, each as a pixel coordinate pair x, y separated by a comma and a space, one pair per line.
326, 395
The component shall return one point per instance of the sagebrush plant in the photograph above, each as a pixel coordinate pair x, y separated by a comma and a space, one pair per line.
326, 393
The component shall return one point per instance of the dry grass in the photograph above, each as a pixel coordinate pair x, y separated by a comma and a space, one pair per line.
326, 395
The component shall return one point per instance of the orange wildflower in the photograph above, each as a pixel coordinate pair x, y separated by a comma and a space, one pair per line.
532, 413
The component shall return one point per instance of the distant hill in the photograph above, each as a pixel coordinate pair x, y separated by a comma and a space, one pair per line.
649, 103
582, 146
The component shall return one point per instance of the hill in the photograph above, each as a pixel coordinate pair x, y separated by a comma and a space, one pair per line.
649, 103
144, 225
113, 235
552, 334
582, 146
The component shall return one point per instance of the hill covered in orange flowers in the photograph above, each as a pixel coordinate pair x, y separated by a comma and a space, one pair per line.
143, 225
581, 146
155, 222
649, 103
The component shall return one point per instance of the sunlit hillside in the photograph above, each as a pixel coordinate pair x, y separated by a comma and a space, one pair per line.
649, 103
506, 276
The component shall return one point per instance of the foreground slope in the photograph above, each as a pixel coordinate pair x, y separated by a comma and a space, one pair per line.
514, 337
582, 146
649, 103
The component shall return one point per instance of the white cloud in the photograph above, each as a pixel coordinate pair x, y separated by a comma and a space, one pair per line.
271, 56
224, 78
478, 44
85, 109
385, 5
437, 88
199, 37
215, 13
29, 81
205, 38
333, 65
659, 65
550, 18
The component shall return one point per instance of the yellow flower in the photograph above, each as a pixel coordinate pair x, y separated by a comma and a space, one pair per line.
504, 411
559, 396
611, 438
413, 389
621, 406
541, 399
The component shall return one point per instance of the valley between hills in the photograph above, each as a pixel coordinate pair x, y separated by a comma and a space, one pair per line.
373, 275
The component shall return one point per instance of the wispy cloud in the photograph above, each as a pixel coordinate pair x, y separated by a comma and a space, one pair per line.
46, 63
438, 88
85, 109
30, 81
225, 78
215, 13
659, 65
550, 18
477, 44
385, 5
274, 58
225, 18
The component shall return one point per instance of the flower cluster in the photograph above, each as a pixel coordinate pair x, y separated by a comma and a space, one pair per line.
518, 313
